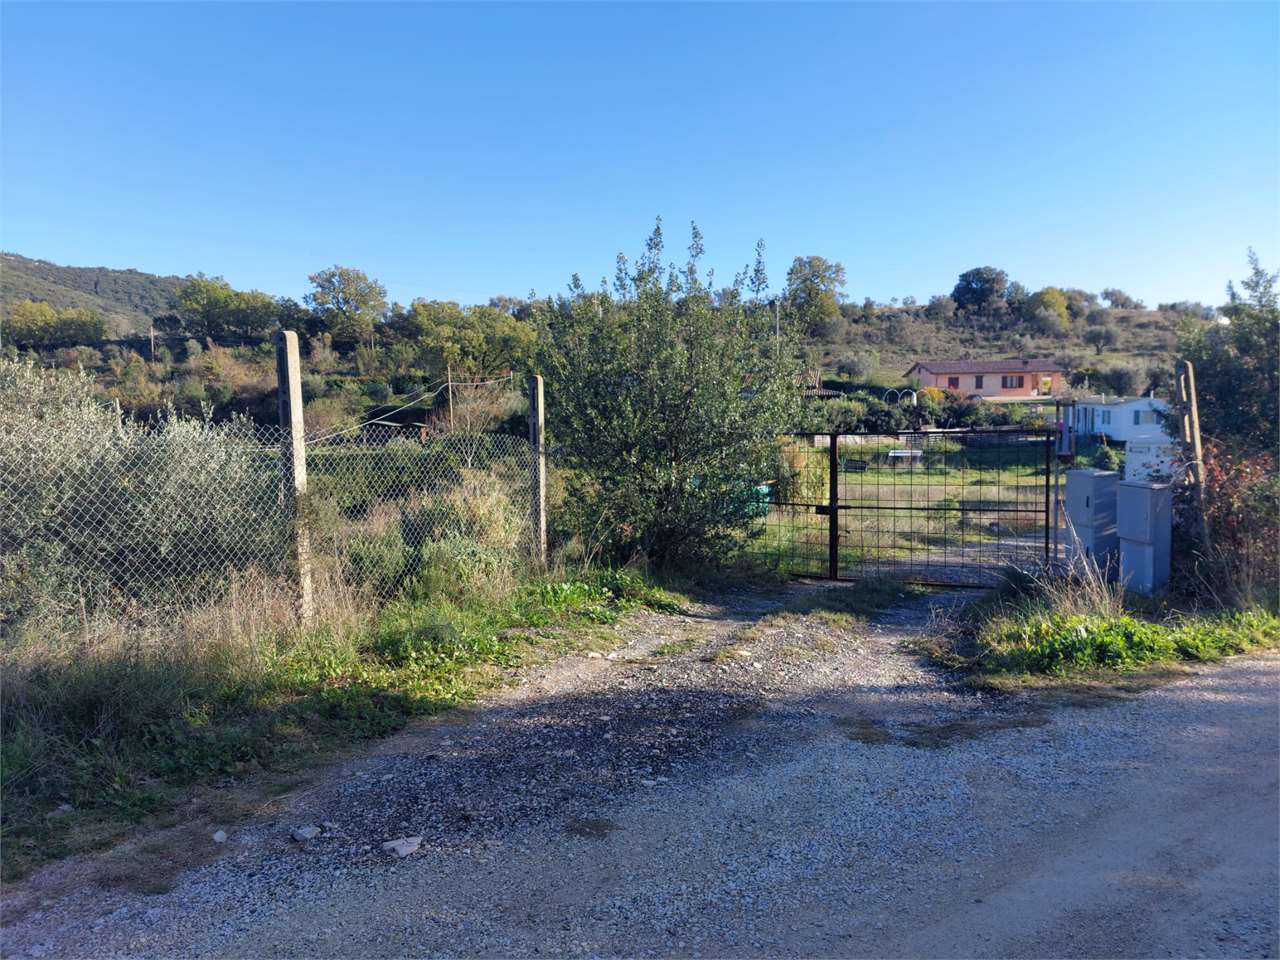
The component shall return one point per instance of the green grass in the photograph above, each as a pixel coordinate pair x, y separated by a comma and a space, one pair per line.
118, 732
1087, 628
1060, 645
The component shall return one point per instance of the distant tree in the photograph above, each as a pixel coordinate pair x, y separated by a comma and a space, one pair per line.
348, 303
1016, 296
1079, 302
253, 314
812, 297
1097, 317
1121, 380
940, 309
979, 289
1159, 379
860, 366
1049, 312
515, 306
1100, 337
291, 315
481, 339
1237, 363
205, 306
1120, 300
33, 323
758, 283
28, 322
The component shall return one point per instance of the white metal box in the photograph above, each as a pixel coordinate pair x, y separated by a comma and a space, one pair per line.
1150, 455
1091, 498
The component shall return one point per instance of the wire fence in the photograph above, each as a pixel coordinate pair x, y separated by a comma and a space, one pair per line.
101, 516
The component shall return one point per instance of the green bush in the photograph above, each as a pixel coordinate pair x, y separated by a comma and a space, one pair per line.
669, 409
1108, 458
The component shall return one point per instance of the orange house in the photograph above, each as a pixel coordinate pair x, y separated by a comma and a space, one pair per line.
991, 379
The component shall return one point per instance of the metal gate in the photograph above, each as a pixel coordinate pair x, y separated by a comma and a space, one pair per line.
950, 507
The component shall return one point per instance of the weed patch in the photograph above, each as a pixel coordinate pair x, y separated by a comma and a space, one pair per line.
1062, 645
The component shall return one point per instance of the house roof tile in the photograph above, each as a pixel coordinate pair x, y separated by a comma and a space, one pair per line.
986, 366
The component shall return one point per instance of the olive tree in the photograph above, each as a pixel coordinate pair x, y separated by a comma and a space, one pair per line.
665, 409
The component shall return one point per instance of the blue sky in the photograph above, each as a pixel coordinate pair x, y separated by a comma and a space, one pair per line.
463, 151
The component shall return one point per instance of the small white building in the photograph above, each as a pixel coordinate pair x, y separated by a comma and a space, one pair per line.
1119, 419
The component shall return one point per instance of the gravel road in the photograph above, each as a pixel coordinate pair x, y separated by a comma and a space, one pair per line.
740, 782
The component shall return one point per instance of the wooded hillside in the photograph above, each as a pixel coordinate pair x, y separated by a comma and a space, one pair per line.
126, 299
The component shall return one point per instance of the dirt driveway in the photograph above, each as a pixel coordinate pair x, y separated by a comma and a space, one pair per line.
746, 782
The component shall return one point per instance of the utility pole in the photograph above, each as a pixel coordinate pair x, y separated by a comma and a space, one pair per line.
1188, 401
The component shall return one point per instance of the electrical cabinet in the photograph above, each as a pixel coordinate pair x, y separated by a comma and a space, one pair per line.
1091, 497
1099, 547
1145, 528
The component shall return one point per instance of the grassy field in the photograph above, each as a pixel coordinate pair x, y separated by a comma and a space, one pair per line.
973, 502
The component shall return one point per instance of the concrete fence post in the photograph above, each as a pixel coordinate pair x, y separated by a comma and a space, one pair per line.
537, 440
293, 463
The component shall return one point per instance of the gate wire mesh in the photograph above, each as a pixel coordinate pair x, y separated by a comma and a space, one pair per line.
936, 507
101, 516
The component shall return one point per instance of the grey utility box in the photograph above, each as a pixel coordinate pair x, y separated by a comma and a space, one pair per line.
1097, 545
1145, 526
1091, 512
1091, 497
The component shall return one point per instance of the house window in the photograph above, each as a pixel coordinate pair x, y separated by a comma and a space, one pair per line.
1013, 382
1106, 418
953, 383
977, 382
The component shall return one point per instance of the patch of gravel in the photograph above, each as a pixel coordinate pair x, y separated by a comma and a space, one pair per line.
781, 787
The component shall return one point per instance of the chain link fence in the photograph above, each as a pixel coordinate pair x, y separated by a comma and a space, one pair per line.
102, 516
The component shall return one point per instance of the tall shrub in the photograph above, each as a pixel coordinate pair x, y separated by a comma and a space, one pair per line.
665, 407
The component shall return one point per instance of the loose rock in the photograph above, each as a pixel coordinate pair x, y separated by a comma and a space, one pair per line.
403, 847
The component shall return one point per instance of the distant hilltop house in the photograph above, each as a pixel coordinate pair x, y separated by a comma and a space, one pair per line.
996, 380
1120, 419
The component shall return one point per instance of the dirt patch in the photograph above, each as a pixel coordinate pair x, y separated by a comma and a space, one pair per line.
937, 734
864, 729
593, 828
